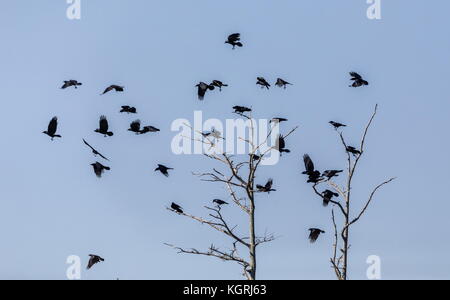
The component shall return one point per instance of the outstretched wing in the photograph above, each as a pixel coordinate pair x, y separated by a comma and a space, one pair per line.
234, 37
355, 76
103, 124
281, 142
53, 126
309, 165
87, 144
269, 184
108, 89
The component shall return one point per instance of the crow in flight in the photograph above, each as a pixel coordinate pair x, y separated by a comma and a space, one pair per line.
328, 196
114, 87
263, 83
202, 88
278, 120
337, 125
220, 202
135, 127
219, 84
331, 173
240, 110
234, 40
69, 83
94, 151
128, 109
163, 169
266, 188
52, 127
177, 208
357, 80
314, 234
353, 151
99, 169
147, 129
282, 83
103, 124
314, 175
280, 145
94, 259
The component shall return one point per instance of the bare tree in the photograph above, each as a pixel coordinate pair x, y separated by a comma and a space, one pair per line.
340, 259
238, 180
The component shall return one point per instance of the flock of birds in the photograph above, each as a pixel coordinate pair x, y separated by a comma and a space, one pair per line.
234, 40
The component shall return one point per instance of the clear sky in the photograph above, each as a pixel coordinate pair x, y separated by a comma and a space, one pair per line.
53, 206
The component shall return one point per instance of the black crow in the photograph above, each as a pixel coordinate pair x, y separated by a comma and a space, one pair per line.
135, 127
52, 128
99, 169
177, 208
147, 129
282, 83
256, 157
327, 196
69, 83
263, 83
234, 40
103, 124
337, 125
357, 80
128, 109
278, 120
241, 109
94, 259
281, 145
331, 173
266, 188
219, 84
314, 234
220, 202
314, 175
202, 88
353, 151
93, 150
163, 169
114, 87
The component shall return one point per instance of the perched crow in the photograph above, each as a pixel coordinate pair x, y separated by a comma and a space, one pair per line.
256, 157
331, 173
163, 169
213, 133
353, 151
327, 196
281, 145
263, 83
220, 202
314, 175
99, 169
202, 88
234, 40
314, 234
337, 125
266, 188
115, 88
128, 109
69, 83
52, 127
282, 83
241, 109
357, 80
93, 150
177, 208
135, 127
219, 84
103, 124
278, 120
147, 129
94, 259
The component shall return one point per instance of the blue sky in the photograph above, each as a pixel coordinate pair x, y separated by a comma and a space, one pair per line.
53, 206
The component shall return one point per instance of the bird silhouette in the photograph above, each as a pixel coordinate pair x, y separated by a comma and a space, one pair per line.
147, 129
163, 169
331, 173
240, 110
52, 128
337, 125
267, 188
280, 145
114, 87
103, 127
353, 151
313, 174
278, 120
263, 83
94, 259
99, 169
135, 127
234, 40
220, 202
202, 88
69, 83
95, 152
314, 234
358, 81
219, 84
327, 196
282, 83
177, 208
128, 109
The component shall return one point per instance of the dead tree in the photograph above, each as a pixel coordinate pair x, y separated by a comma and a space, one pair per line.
340, 257
239, 180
